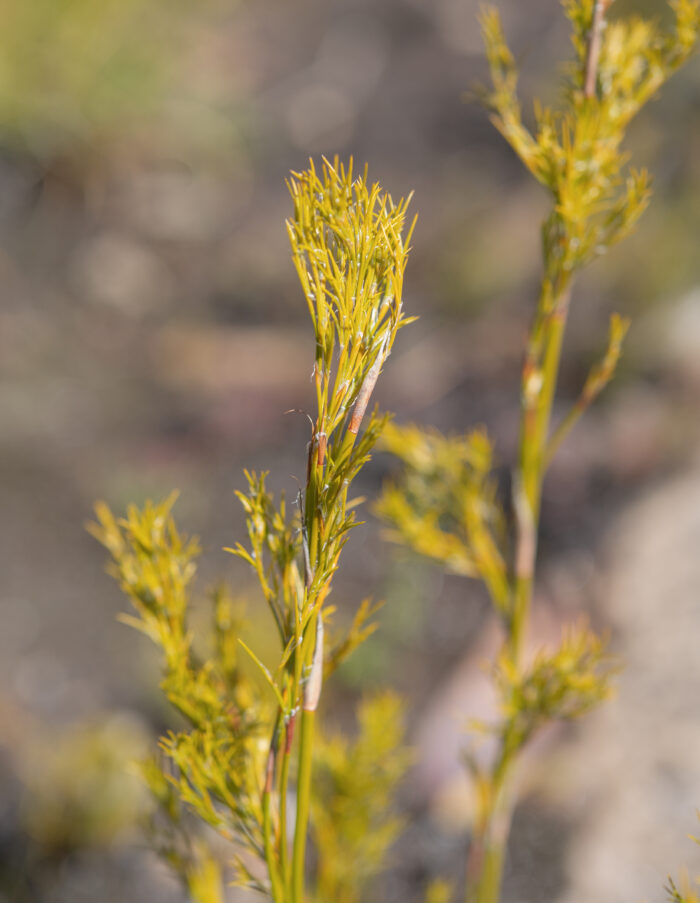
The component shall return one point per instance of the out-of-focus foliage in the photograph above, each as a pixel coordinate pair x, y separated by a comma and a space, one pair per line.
445, 504
172, 836
575, 152
361, 628
232, 766
598, 377
72, 68
439, 891
686, 891
353, 823
79, 791
563, 684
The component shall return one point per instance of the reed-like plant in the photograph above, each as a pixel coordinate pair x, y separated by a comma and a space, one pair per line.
446, 505
244, 762
243, 765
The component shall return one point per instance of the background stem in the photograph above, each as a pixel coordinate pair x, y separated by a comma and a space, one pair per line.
303, 801
268, 839
487, 852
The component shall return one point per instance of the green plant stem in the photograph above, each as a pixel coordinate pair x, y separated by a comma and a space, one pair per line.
284, 784
488, 884
309, 654
303, 803
313, 668
268, 840
487, 852
305, 658
532, 460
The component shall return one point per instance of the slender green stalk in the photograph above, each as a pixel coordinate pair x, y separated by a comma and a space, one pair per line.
284, 785
270, 853
534, 431
313, 660
268, 831
488, 847
306, 741
539, 383
487, 853
309, 655
447, 507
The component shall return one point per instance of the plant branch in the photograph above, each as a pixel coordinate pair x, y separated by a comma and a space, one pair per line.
268, 839
597, 380
594, 44
284, 784
540, 372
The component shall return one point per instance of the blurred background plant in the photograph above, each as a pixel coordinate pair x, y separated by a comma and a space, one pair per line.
685, 890
447, 507
151, 336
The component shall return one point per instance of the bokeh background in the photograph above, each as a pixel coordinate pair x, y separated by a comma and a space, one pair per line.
152, 336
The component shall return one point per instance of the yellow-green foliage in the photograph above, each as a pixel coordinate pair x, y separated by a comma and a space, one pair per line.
274, 548
171, 835
361, 628
575, 151
563, 684
438, 891
686, 891
349, 252
350, 255
353, 823
234, 766
215, 766
445, 505
78, 790
204, 880
248, 744
683, 893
